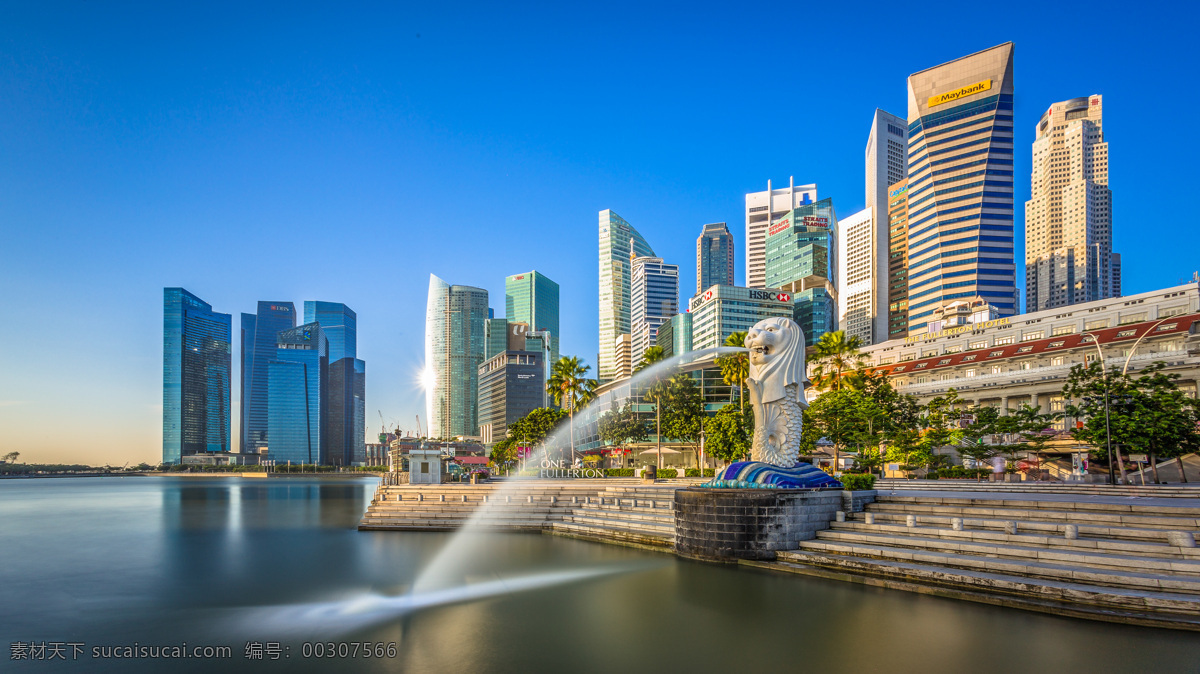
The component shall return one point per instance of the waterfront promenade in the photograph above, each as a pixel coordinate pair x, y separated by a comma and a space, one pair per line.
1121, 554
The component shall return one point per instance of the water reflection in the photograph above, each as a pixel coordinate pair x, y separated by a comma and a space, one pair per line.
113, 561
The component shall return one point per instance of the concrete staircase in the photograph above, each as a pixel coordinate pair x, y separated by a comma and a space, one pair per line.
619, 511
1190, 490
1109, 558
641, 515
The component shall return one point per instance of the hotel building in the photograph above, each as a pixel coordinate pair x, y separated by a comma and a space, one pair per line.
1008, 361
960, 185
1068, 220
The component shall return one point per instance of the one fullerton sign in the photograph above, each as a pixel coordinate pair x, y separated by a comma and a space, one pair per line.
969, 90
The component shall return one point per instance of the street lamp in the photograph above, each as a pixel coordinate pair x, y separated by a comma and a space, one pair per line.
700, 463
1133, 350
1112, 480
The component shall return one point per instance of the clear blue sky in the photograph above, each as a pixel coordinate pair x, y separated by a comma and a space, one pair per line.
345, 152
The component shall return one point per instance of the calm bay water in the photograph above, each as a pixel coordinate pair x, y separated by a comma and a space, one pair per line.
109, 562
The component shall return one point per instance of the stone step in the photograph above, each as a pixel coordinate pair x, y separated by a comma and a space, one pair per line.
1131, 506
1015, 548
1028, 568
1158, 491
609, 533
1181, 606
665, 528
1042, 527
1178, 523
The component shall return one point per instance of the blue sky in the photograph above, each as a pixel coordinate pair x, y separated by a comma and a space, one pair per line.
299, 151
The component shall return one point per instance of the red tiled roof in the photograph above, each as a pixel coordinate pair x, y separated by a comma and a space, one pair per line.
1038, 346
481, 460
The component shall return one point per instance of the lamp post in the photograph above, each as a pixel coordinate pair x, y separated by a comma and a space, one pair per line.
1139, 341
700, 463
1112, 480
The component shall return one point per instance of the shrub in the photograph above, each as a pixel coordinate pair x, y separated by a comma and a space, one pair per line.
709, 472
618, 472
667, 472
691, 472
858, 482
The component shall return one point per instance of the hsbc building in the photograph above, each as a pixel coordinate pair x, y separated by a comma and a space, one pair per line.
721, 311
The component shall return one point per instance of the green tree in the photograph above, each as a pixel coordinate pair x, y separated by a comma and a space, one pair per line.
651, 356
683, 411
983, 423
728, 435
1097, 398
839, 416
835, 355
620, 426
736, 367
570, 387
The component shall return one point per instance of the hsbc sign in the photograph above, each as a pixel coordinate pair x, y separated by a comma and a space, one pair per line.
770, 295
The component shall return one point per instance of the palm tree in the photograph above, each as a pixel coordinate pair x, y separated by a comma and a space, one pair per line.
650, 357
570, 386
835, 354
736, 367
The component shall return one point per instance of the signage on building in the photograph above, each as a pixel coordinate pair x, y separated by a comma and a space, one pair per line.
279, 308
518, 278
897, 192
770, 295
815, 221
957, 330
969, 90
780, 226
560, 469
516, 336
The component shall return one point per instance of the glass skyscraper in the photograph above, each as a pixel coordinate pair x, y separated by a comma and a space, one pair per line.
454, 350
801, 258
714, 257
196, 369
345, 436
296, 395
533, 298
618, 240
259, 333
960, 185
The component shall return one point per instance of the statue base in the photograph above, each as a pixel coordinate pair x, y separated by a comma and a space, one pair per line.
725, 525
759, 475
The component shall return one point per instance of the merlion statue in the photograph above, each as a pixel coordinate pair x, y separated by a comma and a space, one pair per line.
776, 389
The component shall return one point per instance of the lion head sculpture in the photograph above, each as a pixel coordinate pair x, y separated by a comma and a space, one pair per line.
776, 357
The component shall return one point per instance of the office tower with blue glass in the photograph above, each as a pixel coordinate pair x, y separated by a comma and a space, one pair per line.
960, 185
714, 257
196, 369
653, 300
345, 432
532, 298
297, 398
454, 349
675, 335
801, 259
259, 332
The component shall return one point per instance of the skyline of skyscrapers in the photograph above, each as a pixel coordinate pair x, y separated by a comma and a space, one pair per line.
618, 241
887, 165
1068, 219
960, 184
197, 364
897, 265
714, 257
454, 349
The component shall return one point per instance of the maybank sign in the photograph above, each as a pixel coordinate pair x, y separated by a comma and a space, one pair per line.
958, 330
968, 90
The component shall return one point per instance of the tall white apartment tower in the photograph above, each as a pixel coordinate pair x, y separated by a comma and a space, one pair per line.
619, 241
861, 312
887, 165
763, 208
1068, 220
654, 299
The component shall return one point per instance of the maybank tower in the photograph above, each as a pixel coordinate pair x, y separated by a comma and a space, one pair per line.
960, 185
